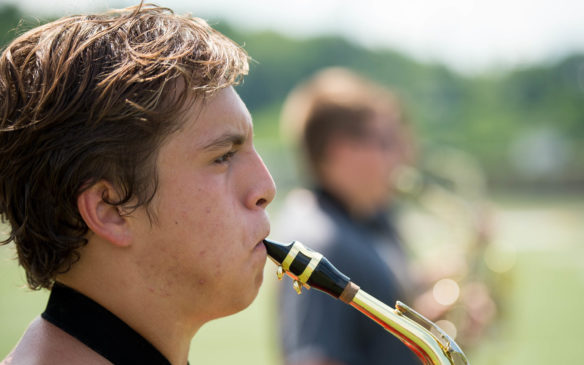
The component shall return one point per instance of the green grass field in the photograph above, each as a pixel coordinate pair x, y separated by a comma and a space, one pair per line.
541, 319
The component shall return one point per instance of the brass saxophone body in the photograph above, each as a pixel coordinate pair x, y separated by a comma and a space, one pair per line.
309, 268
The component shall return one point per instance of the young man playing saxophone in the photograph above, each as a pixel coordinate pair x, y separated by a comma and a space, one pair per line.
131, 184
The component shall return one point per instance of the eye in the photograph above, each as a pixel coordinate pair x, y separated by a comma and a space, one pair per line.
225, 157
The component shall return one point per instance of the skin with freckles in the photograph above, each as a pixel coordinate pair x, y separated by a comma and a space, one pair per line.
209, 213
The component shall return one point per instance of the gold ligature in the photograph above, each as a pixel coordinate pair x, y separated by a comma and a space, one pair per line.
309, 268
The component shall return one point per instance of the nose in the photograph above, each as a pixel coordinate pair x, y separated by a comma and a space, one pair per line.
263, 188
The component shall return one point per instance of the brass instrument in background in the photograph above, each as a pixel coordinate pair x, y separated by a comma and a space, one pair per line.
309, 268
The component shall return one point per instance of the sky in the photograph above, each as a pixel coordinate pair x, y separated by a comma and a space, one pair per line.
470, 36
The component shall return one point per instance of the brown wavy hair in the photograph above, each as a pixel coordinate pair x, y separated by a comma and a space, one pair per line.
92, 97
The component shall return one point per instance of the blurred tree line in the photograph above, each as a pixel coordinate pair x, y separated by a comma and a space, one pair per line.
524, 126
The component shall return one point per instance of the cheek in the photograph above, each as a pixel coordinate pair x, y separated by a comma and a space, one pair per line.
194, 205
367, 164
209, 226
206, 219
208, 216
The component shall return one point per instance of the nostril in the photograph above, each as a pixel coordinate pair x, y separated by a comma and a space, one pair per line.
261, 202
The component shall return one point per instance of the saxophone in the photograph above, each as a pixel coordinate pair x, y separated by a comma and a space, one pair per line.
309, 268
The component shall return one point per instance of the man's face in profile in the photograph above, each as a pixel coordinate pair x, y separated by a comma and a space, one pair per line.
204, 250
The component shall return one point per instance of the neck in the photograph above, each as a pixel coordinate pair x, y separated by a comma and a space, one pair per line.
155, 321
118, 286
355, 205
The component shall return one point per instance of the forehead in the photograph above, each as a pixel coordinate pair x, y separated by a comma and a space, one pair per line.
223, 113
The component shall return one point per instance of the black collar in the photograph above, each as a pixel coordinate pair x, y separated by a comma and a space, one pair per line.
99, 329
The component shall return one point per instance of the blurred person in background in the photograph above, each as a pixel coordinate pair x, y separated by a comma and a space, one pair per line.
354, 137
131, 184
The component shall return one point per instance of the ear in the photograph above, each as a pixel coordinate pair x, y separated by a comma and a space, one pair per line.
103, 219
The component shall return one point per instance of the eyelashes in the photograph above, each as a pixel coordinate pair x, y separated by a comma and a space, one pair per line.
225, 157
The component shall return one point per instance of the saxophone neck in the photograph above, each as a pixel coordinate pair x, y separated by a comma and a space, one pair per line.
430, 343
447, 343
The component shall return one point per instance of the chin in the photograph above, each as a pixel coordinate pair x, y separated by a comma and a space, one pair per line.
246, 298
256, 287
254, 290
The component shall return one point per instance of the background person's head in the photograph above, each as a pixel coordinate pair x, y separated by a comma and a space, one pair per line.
352, 134
90, 98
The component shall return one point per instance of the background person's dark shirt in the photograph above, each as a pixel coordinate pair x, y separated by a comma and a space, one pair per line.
314, 325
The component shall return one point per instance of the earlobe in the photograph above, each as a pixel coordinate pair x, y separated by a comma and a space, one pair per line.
102, 218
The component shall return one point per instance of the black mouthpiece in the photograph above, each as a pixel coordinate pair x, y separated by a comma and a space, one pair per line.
277, 251
324, 277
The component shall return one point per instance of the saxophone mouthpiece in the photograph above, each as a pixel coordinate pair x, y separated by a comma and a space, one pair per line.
277, 251
306, 267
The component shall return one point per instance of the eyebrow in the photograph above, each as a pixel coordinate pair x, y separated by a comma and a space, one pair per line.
225, 140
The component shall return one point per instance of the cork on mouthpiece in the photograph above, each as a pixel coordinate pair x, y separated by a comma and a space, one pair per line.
349, 292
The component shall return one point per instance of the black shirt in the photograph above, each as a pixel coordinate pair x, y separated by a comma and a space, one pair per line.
99, 329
